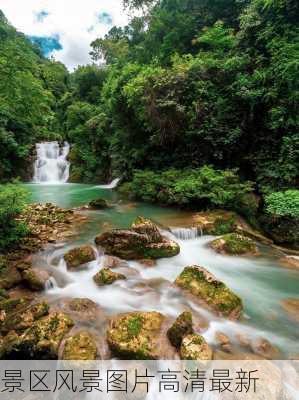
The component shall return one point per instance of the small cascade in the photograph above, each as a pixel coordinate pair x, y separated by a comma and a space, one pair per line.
51, 165
186, 233
111, 185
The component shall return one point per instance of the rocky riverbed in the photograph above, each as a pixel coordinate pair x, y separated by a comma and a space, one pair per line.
34, 325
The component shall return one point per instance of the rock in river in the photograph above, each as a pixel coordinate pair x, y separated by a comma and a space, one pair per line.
107, 277
99, 204
80, 347
135, 336
235, 244
142, 241
180, 328
79, 256
209, 290
194, 347
35, 278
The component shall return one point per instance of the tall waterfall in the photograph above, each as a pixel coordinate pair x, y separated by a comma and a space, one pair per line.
51, 165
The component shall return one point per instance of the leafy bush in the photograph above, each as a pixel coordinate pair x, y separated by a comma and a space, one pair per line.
12, 202
283, 204
204, 187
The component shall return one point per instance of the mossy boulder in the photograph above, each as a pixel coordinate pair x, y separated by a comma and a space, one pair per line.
35, 279
142, 241
107, 277
80, 347
234, 244
194, 347
209, 290
99, 204
135, 336
40, 341
22, 316
180, 328
79, 256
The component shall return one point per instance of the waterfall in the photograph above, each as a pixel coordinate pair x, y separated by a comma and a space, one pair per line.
51, 165
186, 233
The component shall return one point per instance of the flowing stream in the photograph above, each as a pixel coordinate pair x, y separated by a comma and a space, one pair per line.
261, 281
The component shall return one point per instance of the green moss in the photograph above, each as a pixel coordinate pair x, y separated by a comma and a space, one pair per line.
79, 256
202, 284
194, 347
234, 244
81, 346
135, 335
134, 326
107, 277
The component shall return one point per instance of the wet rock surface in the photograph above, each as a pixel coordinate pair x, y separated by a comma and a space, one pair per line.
208, 289
107, 277
194, 347
136, 335
142, 241
79, 256
181, 327
40, 339
234, 244
35, 279
81, 347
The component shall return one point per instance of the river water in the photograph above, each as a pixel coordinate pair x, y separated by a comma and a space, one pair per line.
261, 282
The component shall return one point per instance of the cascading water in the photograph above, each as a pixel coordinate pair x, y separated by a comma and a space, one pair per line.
51, 165
186, 233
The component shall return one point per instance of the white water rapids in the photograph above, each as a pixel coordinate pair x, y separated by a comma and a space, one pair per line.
51, 165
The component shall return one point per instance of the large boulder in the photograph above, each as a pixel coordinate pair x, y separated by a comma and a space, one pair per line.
194, 347
234, 244
40, 341
79, 256
209, 290
180, 328
135, 336
81, 347
107, 277
142, 241
35, 279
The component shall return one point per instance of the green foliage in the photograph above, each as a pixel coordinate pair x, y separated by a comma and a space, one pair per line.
204, 187
29, 88
283, 204
12, 203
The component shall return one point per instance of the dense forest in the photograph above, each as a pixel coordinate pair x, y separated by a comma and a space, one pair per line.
194, 103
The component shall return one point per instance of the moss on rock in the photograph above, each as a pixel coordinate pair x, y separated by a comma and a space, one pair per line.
79, 256
81, 346
135, 335
194, 347
202, 284
23, 316
40, 341
234, 244
142, 241
180, 328
107, 277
